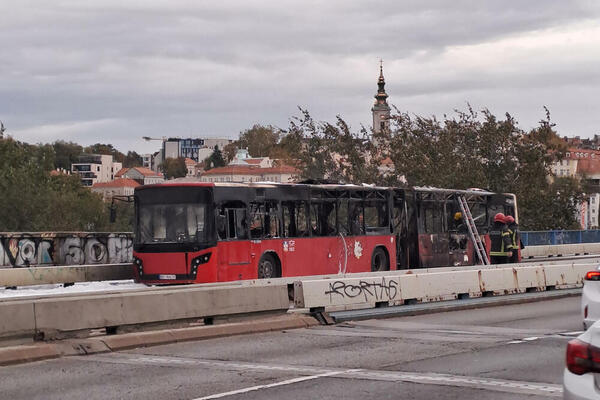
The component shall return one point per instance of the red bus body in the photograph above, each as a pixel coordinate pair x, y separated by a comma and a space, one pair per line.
212, 232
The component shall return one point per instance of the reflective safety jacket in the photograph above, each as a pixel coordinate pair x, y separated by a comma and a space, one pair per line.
500, 239
515, 238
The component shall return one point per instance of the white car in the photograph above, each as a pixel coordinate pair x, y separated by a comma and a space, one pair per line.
590, 298
581, 379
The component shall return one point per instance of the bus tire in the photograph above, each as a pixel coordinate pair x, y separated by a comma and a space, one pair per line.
380, 260
268, 267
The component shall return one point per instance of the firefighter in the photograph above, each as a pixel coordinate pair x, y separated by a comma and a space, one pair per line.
515, 238
501, 245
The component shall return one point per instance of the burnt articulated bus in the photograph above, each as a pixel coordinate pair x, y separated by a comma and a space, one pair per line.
193, 232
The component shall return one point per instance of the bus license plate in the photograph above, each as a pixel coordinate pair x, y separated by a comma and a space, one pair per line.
167, 277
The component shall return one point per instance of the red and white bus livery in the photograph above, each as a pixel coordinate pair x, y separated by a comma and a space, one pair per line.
192, 232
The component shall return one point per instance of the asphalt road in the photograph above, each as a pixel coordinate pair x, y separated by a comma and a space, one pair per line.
509, 352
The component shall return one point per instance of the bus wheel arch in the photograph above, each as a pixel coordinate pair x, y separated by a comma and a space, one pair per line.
269, 265
380, 259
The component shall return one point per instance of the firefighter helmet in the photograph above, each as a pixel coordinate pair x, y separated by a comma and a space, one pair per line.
457, 216
499, 217
509, 219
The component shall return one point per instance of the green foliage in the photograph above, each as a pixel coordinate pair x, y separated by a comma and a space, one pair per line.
174, 168
215, 160
132, 159
66, 153
33, 200
259, 140
465, 151
106, 149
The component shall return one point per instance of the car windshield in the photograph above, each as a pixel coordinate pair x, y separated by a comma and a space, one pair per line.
172, 223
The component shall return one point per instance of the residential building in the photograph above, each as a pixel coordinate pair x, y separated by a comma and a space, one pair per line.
147, 161
117, 187
142, 175
195, 148
94, 168
251, 173
192, 167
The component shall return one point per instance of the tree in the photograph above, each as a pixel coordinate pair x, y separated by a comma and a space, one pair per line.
214, 160
106, 149
66, 153
229, 151
259, 140
174, 168
132, 159
463, 151
34, 200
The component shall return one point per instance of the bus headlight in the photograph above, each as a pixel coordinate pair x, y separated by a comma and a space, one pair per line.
138, 265
203, 259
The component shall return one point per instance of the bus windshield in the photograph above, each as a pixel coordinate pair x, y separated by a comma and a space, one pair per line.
173, 216
172, 223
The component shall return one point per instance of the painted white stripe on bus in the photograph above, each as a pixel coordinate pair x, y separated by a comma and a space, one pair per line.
271, 385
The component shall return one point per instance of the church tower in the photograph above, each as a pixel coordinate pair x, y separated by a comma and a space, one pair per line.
381, 109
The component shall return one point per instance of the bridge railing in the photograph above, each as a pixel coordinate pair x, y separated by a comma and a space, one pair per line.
557, 237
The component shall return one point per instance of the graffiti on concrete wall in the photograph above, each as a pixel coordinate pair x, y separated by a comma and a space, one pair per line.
371, 290
31, 249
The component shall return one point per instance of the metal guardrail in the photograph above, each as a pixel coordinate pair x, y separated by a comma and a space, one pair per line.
556, 237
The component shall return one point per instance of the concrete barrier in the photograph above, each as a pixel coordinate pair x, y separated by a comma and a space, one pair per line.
51, 275
62, 316
398, 287
560, 250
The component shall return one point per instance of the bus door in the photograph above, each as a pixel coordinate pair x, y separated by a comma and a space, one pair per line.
234, 246
265, 231
433, 235
298, 250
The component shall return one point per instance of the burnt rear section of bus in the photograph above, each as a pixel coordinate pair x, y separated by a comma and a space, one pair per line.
443, 237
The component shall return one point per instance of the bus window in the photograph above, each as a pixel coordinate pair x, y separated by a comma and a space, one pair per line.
257, 213
357, 226
294, 219
342, 217
376, 217
315, 217
271, 220
289, 219
322, 219
432, 220
302, 219
236, 223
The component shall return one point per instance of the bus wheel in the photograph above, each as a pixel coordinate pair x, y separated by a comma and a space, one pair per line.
267, 267
379, 260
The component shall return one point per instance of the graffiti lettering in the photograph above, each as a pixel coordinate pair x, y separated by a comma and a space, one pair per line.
31, 249
373, 290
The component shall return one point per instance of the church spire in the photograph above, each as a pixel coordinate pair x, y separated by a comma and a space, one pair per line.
381, 110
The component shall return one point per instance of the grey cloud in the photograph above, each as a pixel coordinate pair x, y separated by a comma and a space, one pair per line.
185, 67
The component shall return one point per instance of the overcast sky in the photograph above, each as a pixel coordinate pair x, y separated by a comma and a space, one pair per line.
112, 71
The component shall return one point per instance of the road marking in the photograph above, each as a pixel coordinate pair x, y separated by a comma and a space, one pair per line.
271, 385
491, 384
574, 333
